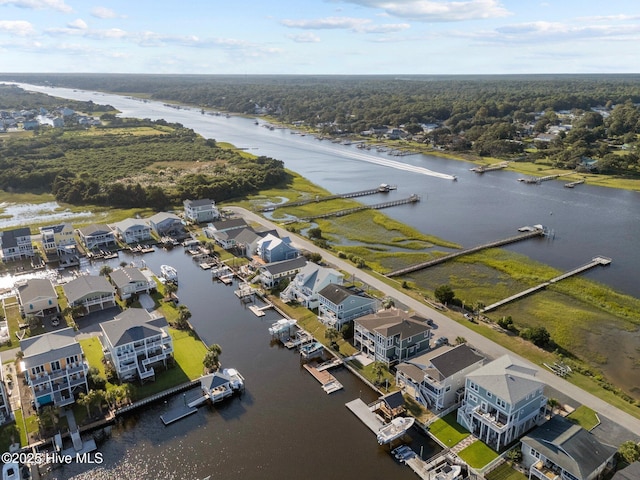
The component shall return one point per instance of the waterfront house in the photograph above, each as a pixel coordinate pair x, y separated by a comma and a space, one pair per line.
338, 305
273, 273
134, 341
224, 226
436, 379
271, 248
560, 449
131, 230
200, 211
165, 224
97, 236
37, 297
391, 336
6, 384
131, 281
306, 285
245, 241
93, 292
502, 401
54, 367
59, 240
16, 244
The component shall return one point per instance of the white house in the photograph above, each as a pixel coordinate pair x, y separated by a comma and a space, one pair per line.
16, 244
131, 230
199, 211
306, 285
273, 273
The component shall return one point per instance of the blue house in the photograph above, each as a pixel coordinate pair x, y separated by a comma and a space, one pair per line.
338, 305
273, 249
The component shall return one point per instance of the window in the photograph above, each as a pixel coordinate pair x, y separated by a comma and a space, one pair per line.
55, 365
535, 453
489, 395
473, 398
448, 388
37, 370
474, 387
501, 403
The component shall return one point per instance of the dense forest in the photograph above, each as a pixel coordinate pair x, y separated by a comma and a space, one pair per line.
125, 162
497, 116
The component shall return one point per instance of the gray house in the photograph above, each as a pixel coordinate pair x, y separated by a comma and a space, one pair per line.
502, 401
16, 244
166, 224
309, 281
391, 336
131, 230
130, 281
97, 236
93, 292
560, 449
338, 305
38, 297
273, 273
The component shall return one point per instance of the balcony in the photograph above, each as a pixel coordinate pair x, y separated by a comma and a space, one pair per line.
498, 421
543, 471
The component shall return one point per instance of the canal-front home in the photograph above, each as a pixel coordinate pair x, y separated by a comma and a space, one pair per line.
391, 336
272, 274
92, 292
166, 224
200, 211
338, 305
560, 449
131, 230
58, 240
54, 367
224, 232
436, 379
16, 244
131, 281
271, 248
134, 341
502, 401
97, 236
37, 297
306, 285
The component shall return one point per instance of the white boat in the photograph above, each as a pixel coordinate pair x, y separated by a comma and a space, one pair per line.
11, 471
169, 273
282, 325
311, 349
395, 429
449, 472
236, 380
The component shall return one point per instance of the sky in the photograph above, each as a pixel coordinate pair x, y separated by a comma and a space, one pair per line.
320, 36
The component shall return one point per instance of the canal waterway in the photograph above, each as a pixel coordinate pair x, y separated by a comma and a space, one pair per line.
283, 426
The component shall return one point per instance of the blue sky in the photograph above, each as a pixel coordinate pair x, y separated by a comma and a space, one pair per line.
320, 36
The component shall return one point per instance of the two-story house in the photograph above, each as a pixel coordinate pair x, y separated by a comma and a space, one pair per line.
338, 305
58, 240
224, 232
271, 248
131, 281
131, 230
165, 224
436, 379
97, 236
561, 450
93, 292
37, 297
273, 273
391, 336
200, 211
134, 341
16, 244
502, 401
54, 367
306, 285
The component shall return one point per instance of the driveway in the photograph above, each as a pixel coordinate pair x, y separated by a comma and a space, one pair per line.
450, 328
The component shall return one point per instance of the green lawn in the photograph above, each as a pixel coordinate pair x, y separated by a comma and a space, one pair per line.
478, 454
448, 430
585, 417
505, 472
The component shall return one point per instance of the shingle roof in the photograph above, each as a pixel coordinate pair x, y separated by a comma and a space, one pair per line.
55, 228
455, 359
229, 224
214, 380
336, 294
9, 238
128, 223
95, 229
393, 399
285, 265
392, 322
161, 216
36, 288
632, 472
132, 325
49, 347
124, 276
199, 203
85, 285
507, 378
569, 446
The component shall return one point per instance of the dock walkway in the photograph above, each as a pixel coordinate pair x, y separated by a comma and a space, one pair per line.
360, 193
364, 413
534, 232
328, 381
604, 261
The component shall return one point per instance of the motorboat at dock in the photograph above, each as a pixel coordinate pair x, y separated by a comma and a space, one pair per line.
395, 429
169, 273
283, 325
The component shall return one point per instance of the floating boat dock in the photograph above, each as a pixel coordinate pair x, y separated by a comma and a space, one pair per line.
531, 232
489, 168
364, 413
328, 381
604, 261
259, 311
177, 414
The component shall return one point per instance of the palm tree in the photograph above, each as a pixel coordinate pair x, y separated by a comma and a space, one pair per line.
211, 360
332, 335
169, 289
98, 398
460, 340
105, 270
184, 314
85, 399
378, 368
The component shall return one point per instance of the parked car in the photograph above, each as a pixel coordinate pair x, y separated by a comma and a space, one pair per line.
442, 341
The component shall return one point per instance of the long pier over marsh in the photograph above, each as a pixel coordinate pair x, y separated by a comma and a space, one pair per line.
535, 231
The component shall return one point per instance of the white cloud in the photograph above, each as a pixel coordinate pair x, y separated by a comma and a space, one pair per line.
306, 37
438, 10
79, 24
17, 27
104, 13
359, 25
58, 5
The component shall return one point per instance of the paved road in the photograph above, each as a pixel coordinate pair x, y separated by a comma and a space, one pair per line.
451, 329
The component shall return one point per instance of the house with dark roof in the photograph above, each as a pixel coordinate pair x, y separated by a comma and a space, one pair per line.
131, 230
436, 379
134, 341
560, 449
224, 232
166, 224
93, 292
16, 244
273, 273
200, 211
97, 236
130, 281
391, 405
338, 305
54, 367
37, 297
307, 284
502, 401
391, 336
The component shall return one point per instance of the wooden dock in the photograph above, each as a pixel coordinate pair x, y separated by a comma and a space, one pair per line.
573, 184
372, 191
328, 381
604, 261
489, 168
537, 231
364, 413
539, 180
